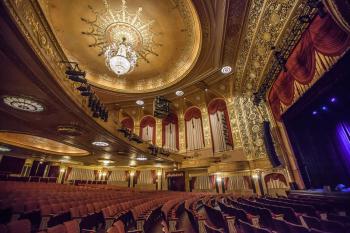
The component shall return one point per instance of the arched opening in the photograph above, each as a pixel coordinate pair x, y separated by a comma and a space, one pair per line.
128, 123
148, 129
220, 125
194, 129
170, 132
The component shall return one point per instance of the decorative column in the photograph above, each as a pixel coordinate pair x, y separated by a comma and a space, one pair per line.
158, 132
131, 177
182, 134
159, 180
237, 142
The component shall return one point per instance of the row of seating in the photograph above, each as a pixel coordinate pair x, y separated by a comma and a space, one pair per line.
255, 215
57, 208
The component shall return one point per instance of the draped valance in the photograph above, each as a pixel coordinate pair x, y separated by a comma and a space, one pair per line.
193, 112
148, 121
170, 119
220, 105
323, 36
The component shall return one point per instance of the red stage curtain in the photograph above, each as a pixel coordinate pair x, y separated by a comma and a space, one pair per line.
148, 121
128, 123
284, 87
220, 105
302, 63
323, 36
327, 37
171, 119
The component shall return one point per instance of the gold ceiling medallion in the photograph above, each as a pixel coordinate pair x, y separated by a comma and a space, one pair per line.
122, 37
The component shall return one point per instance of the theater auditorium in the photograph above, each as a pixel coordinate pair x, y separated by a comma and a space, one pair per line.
175, 116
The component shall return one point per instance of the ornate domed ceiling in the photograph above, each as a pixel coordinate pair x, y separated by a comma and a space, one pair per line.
169, 32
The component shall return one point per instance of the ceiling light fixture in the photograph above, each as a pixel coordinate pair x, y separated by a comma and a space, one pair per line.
141, 158
122, 37
100, 144
226, 69
105, 161
4, 149
23, 103
179, 93
140, 102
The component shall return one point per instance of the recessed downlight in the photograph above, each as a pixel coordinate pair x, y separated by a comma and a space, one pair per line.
100, 143
179, 93
140, 102
226, 69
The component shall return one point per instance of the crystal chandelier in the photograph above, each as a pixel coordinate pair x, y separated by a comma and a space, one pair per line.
120, 58
122, 37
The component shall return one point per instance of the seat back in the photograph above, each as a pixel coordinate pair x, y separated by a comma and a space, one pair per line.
246, 227
294, 228
210, 229
280, 225
22, 226
312, 222
332, 226
72, 226
57, 229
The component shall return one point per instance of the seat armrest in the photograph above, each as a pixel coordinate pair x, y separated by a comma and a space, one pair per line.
134, 231
87, 231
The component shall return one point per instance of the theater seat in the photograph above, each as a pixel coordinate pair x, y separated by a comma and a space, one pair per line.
57, 229
19, 226
72, 226
210, 229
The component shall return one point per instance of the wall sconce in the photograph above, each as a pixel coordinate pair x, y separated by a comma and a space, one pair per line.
132, 173
62, 170
218, 179
104, 173
255, 176
159, 173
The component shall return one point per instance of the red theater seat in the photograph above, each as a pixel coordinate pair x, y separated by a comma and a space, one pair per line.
19, 226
